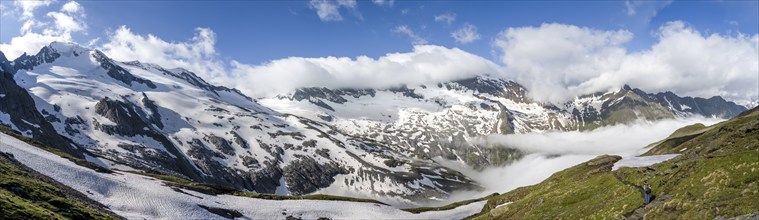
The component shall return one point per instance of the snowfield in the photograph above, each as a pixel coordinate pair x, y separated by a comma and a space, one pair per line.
135, 197
642, 161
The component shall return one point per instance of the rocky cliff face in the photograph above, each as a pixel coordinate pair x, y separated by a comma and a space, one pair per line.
18, 111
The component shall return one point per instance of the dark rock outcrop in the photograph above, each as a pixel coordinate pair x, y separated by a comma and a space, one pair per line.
221, 144
335, 96
155, 116
305, 175
46, 55
118, 73
189, 77
16, 102
128, 122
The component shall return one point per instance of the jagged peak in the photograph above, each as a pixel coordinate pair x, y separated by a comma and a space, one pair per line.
63, 49
99, 54
66, 46
626, 88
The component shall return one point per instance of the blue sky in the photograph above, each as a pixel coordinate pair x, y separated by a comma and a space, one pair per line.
259, 31
557, 49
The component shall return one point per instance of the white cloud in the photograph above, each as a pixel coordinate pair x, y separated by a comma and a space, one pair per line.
557, 62
553, 59
425, 64
415, 38
28, 43
447, 18
65, 23
388, 3
630, 8
687, 62
197, 54
640, 13
72, 7
466, 34
328, 10
623, 139
57, 26
548, 153
28, 7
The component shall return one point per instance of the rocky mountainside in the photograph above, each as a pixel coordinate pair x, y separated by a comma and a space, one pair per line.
386, 142
438, 121
713, 176
136, 116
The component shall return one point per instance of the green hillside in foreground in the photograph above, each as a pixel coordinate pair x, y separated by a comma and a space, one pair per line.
717, 176
25, 194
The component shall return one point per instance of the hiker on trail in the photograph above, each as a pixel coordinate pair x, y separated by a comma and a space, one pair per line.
647, 193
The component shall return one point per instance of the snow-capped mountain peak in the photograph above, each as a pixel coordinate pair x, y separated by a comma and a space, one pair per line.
137, 116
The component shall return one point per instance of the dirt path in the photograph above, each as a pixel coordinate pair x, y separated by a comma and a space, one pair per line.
640, 189
640, 211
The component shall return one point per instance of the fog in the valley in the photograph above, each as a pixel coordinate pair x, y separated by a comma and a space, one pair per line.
551, 152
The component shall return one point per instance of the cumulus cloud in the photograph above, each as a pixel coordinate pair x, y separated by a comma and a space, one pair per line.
197, 54
36, 32
67, 21
448, 18
415, 38
425, 64
553, 59
557, 62
330, 10
466, 34
72, 7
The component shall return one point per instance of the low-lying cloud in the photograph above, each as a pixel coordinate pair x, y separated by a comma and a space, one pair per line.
425, 64
623, 139
548, 153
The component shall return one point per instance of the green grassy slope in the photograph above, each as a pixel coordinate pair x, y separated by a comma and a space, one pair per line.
573, 193
23, 195
717, 175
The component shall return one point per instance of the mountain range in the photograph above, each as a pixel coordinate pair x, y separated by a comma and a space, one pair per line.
141, 117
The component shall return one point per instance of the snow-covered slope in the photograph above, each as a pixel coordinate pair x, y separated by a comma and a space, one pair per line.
141, 116
438, 120
140, 197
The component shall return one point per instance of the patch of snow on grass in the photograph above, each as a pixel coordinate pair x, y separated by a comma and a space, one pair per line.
642, 161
